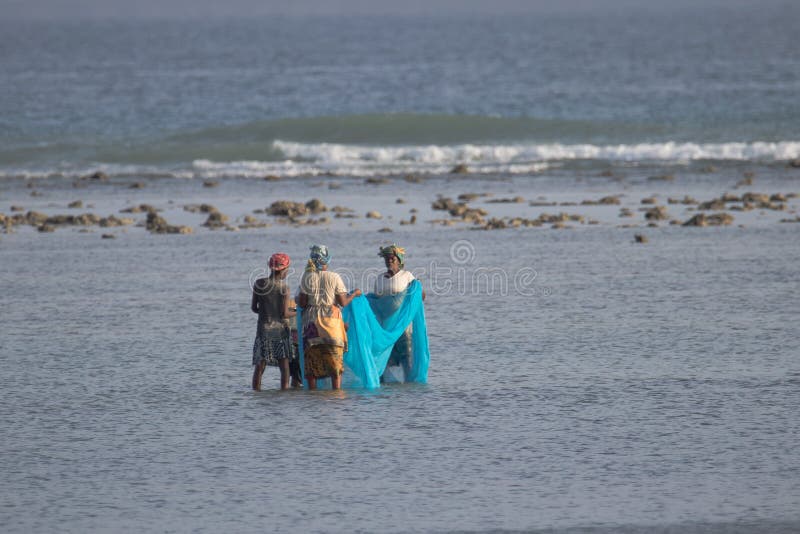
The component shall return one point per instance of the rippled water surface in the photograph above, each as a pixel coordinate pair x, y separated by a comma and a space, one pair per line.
631, 388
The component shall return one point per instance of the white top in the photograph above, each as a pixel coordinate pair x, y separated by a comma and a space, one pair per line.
322, 288
390, 286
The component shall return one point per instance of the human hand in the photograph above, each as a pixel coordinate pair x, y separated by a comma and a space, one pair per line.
356, 292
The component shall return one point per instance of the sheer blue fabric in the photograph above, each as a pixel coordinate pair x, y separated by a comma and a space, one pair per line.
374, 325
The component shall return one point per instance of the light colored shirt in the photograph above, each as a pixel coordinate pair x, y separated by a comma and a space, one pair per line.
385, 285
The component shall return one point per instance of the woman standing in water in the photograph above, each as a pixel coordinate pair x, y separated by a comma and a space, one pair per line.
273, 344
322, 294
388, 289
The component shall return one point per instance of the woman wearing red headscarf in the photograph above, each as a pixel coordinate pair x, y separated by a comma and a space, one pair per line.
273, 344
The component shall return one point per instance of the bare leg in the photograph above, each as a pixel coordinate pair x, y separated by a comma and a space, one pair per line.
294, 370
257, 374
312, 382
284, 366
336, 381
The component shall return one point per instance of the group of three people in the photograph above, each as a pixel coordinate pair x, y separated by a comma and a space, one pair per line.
321, 296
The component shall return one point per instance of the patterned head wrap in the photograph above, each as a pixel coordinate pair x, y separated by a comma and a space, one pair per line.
318, 258
393, 249
279, 261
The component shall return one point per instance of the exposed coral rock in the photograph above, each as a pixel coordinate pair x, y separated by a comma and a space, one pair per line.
640, 238
374, 215
649, 200
210, 183
287, 208
718, 219
200, 208
716, 204
216, 220
377, 181
158, 225
75, 204
315, 206
685, 200
460, 169
659, 213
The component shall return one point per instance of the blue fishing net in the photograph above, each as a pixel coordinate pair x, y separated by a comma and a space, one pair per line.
374, 326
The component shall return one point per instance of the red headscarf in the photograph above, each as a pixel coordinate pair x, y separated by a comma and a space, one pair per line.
279, 261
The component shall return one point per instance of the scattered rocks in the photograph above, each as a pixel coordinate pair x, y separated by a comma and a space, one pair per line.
374, 215
412, 220
377, 181
708, 169
108, 236
795, 220
136, 185
400, 201
210, 183
649, 200
640, 238
47, 228
412, 179
272, 178
341, 209
777, 197
662, 178
460, 169
75, 204
543, 203
17, 208
730, 197
385, 230
795, 163
158, 225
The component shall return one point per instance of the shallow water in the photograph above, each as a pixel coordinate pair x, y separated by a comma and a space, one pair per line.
630, 388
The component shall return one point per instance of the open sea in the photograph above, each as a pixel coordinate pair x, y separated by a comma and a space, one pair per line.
580, 382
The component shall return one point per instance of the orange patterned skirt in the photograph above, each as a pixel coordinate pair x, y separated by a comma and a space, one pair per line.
323, 360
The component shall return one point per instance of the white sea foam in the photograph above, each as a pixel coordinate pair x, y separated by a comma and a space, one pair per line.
336, 154
311, 159
359, 160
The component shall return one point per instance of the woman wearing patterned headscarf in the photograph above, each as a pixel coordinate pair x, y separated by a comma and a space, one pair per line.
322, 294
273, 344
387, 288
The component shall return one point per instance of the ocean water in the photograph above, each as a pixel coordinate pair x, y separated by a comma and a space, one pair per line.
605, 385
375, 95
579, 382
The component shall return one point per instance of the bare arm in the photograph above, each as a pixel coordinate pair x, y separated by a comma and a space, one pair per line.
302, 300
343, 299
254, 302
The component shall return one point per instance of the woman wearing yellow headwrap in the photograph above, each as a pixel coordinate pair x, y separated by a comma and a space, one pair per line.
389, 284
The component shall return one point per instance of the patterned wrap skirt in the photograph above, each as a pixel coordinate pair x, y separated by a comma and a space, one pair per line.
323, 360
271, 346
